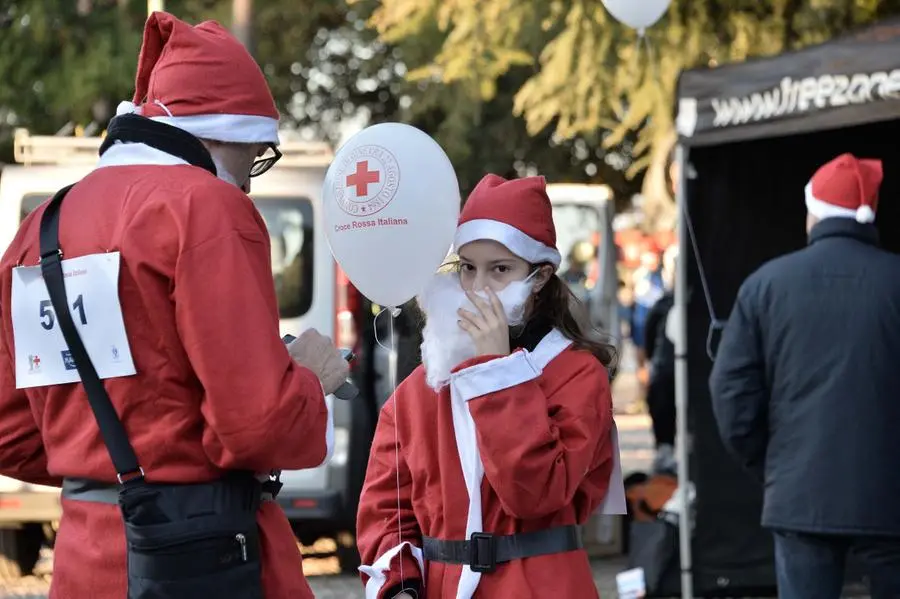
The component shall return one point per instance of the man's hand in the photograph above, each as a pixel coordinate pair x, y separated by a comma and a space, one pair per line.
317, 352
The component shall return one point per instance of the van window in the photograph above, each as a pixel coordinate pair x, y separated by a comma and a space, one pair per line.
290, 223
574, 223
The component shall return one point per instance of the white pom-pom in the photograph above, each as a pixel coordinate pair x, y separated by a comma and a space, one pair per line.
865, 214
126, 107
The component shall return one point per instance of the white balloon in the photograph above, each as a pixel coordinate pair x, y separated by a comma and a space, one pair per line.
391, 201
638, 14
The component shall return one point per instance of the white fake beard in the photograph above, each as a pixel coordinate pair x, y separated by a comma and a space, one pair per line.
445, 344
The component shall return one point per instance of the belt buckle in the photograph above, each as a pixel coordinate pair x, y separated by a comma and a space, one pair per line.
482, 552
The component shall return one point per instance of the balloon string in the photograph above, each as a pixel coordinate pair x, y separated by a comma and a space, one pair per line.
636, 55
651, 59
392, 377
652, 71
394, 312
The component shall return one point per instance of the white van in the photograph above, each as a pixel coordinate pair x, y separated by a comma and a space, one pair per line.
312, 293
585, 213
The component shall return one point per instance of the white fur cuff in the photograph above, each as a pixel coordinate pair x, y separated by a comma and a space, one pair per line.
377, 572
126, 107
496, 375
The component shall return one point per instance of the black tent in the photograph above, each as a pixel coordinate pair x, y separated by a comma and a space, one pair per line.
751, 135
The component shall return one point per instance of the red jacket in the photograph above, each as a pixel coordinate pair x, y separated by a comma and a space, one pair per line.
512, 445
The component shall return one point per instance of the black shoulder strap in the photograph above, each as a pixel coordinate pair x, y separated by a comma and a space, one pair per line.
111, 429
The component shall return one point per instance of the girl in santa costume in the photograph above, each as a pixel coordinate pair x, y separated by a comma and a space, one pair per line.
489, 456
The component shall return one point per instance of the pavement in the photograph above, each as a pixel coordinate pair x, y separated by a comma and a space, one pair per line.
323, 586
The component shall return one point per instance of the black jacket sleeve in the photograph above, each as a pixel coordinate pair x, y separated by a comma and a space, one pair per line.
740, 396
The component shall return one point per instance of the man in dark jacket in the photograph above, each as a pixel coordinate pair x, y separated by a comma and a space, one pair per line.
806, 391
660, 352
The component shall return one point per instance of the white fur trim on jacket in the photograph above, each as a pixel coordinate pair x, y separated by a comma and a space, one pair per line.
524, 246
377, 571
133, 154
496, 375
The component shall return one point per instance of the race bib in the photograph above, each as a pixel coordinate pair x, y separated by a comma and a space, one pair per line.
92, 287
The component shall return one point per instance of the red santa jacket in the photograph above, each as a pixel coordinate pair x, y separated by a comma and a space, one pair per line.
514, 444
215, 387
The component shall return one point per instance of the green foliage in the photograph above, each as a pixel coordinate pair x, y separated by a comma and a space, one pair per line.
591, 76
54, 67
507, 86
60, 67
324, 65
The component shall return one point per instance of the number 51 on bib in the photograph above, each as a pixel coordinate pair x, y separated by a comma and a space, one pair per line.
92, 287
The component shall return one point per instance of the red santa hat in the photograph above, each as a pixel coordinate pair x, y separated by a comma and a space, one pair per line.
846, 187
515, 213
201, 79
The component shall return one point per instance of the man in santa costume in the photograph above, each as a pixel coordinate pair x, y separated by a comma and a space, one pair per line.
805, 390
489, 456
215, 389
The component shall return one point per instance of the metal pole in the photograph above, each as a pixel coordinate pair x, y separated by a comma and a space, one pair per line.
241, 22
685, 528
155, 5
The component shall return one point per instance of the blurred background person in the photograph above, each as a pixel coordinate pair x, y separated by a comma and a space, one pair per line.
581, 257
660, 354
648, 289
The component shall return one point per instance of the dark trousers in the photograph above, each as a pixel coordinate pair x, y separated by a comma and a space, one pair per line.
812, 566
661, 403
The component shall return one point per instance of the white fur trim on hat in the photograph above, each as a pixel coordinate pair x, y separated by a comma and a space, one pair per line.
520, 244
231, 128
821, 209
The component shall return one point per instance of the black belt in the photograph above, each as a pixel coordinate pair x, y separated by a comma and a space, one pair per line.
484, 551
81, 489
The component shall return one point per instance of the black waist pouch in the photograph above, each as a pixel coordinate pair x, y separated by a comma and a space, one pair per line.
190, 541
193, 541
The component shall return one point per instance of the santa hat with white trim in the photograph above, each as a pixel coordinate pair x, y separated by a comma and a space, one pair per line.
202, 80
516, 213
846, 187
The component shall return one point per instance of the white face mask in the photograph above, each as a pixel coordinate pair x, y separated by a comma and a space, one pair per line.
445, 344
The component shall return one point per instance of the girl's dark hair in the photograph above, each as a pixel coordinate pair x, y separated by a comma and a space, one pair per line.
556, 302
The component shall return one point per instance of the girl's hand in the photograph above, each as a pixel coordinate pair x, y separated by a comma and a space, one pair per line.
488, 329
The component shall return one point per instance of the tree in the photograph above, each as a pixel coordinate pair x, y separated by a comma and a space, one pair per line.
56, 68
593, 77
65, 62
75, 61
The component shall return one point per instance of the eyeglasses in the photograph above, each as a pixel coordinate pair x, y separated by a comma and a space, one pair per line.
266, 161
